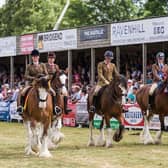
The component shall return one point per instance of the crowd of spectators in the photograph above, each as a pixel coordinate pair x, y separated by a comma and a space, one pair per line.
132, 69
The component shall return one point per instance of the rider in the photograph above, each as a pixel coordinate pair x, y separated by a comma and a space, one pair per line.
33, 70
106, 72
52, 68
158, 76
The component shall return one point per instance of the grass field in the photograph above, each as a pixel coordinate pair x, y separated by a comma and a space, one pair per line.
73, 153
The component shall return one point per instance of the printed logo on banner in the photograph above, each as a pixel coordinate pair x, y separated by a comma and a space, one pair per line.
133, 116
139, 31
57, 40
95, 33
26, 44
8, 46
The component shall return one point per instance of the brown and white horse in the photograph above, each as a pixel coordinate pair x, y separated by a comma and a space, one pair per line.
108, 105
37, 116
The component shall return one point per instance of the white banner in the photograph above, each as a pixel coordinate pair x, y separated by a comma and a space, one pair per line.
141, 31
7, 46
57, 40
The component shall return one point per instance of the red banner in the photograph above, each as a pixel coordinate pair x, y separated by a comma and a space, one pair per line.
26, 44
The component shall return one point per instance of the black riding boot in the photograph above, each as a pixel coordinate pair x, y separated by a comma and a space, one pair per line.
56, 110
20, 107
67, 110
151, 102
93, 106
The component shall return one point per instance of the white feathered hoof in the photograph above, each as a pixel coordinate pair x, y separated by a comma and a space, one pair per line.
109, 145
91, 143
157, 142
149, 141
29, 151
57, 138
45, 154
100, 142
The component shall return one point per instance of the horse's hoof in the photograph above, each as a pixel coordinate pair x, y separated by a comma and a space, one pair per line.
103, 143
117, 138
91, 143
148, 142
45, 155
29, 151
157, 142
109, 145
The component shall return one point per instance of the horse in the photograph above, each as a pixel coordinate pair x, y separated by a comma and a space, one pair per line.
37, 116
108, 105
160, 107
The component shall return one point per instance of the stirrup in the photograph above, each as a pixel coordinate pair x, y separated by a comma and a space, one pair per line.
57, 110
92, 109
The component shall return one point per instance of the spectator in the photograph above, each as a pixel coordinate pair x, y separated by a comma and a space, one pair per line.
131, 98
149, 78
130, 86
76, 94
84, 95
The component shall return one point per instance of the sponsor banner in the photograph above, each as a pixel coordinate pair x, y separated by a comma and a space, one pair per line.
82, 116
141, 31
95, 33
133, 118
26, 44
57, 40
7, 46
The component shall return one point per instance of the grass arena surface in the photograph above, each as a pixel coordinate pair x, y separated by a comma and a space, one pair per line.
73, 152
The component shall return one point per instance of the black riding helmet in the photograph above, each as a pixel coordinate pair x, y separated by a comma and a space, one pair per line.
109, 54
35, 52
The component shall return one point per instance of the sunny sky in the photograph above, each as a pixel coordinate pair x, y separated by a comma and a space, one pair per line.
2, 2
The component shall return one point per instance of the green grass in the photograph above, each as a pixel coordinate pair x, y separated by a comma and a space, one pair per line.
73, 153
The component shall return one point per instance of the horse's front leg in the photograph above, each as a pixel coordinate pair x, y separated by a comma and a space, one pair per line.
118, 135
55, 134
44, 152
91, 140
109, 132
101, 139
147, 136
28, 148
159, 133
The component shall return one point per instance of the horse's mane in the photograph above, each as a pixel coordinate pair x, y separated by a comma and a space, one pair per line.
162, 87
114, 90
54, 76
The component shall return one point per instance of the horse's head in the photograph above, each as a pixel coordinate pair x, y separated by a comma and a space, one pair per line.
42, 86
123, 84
119, 86
59, 81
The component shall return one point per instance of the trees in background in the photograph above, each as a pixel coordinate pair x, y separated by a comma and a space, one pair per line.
27, 16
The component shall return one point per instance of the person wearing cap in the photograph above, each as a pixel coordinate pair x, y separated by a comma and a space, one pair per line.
106, 72
53, 68
157, 71
33, 70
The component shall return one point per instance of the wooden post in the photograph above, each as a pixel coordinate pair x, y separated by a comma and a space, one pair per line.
118, 58
92, 66
11, 72
69, 69
144, 59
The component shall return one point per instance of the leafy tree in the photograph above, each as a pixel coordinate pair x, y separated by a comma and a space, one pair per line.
155, 8
92, 12
25, 16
